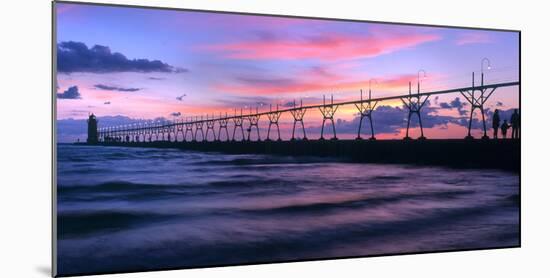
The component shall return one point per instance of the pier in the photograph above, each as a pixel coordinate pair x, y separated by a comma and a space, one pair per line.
414, 102
246, 138
501, 154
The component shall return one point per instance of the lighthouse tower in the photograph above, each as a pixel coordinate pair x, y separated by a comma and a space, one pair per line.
92, 130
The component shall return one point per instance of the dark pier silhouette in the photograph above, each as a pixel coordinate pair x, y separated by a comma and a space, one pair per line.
468, 152
459, 153
149, 131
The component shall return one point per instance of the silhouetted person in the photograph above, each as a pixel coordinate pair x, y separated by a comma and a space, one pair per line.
514, 120
496, 123
504, 128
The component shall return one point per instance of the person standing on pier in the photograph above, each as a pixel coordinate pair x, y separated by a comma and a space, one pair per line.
496, 123
514, 120
504, 128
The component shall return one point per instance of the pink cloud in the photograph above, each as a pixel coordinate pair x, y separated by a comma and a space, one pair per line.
473, 38
329, 46
316, 82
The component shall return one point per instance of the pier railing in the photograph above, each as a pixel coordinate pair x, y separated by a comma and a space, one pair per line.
413, 102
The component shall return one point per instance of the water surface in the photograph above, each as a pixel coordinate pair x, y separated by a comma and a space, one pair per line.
123, 209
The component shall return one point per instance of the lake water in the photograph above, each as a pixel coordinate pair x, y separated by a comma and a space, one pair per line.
124, 209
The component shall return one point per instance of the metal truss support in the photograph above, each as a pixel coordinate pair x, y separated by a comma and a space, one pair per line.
414, 104
150, 131
161, 131
141, 133
172, 131
253, 120
477, 102
223, 125
328, 111
365, 110
210, 126
124, 134
238, 121
147, 136
298, 115
158, 133
166, 131
273, 117
153, 133
189, 128
198, 127
179, 129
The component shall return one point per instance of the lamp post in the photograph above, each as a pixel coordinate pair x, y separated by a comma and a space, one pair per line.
415, 106
488, 67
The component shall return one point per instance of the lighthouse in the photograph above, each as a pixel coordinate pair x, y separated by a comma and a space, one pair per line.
92, 130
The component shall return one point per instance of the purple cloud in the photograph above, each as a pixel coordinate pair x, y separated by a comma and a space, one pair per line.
115, 88
70, 93
455, 103
77, 57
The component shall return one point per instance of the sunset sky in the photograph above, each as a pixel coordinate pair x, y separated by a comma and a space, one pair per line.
151, 63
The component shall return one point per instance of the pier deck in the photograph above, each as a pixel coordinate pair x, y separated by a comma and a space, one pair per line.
496, 154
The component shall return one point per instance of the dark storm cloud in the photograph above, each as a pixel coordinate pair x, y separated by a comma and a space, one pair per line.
454, 104
70, 93
77, 57
115, 88
445, 105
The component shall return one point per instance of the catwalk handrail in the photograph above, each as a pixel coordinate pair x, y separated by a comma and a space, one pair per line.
415, 95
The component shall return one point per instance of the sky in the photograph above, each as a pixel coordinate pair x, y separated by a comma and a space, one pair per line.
136, 64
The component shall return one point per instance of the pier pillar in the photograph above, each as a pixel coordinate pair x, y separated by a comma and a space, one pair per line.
223, 125
238, 123
148, 132
366, 110
298, 115
155, 132
414, 104
273, 117
477, 102
179, 130
141, 133
171, 129
198, 127
188, 128
253, 120
328, 111
164, 134
210, 126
